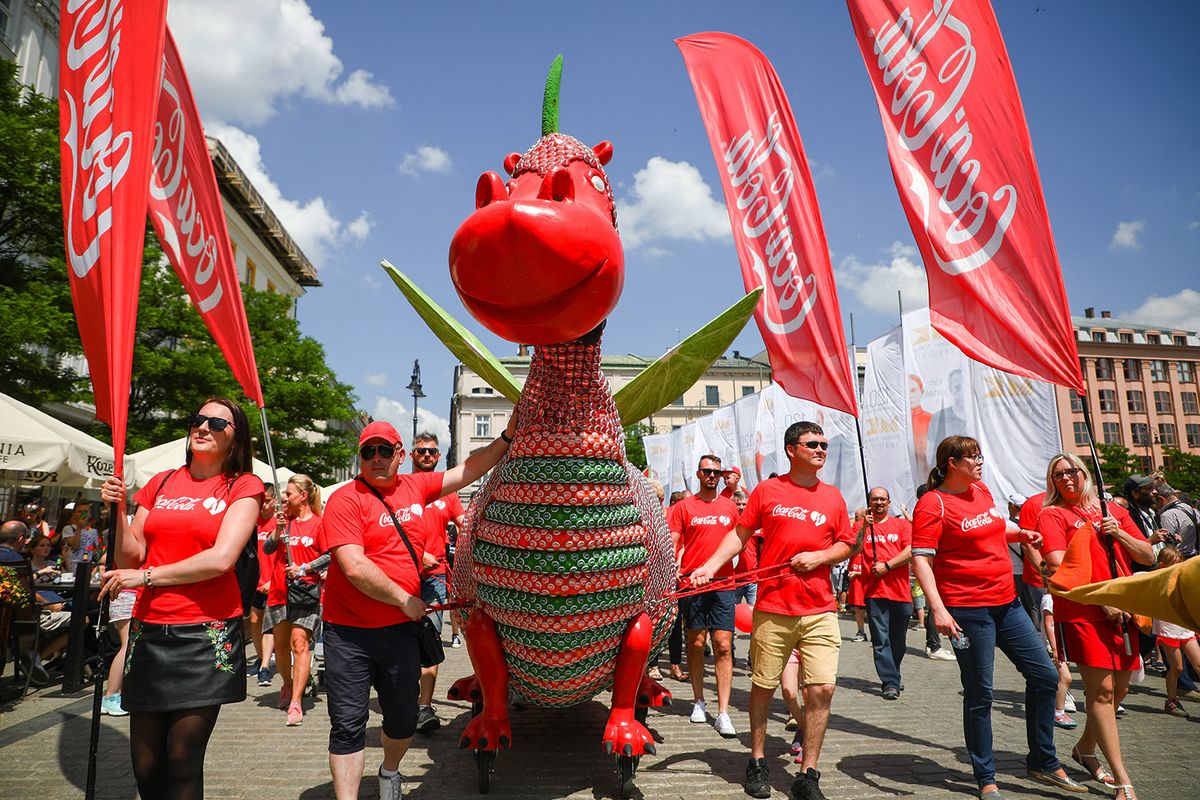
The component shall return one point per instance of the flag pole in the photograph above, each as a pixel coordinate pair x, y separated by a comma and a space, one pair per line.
1108, 542
102, 644
862, 455
262, 413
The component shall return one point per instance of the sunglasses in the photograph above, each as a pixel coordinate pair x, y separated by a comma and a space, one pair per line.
1074, 472
368, 451
215, 424
814, 445
711, 472
425, 451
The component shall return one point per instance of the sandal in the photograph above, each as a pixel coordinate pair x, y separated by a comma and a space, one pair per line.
678, 674
655, 674
1125, 789
1099, 773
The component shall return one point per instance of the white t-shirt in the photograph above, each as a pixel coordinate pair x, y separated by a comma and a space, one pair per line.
1172, 631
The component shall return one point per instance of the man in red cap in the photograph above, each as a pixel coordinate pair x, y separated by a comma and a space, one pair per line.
733, 480
372, 604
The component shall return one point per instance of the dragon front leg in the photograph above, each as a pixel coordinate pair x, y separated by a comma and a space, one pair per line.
490, 730
623, 734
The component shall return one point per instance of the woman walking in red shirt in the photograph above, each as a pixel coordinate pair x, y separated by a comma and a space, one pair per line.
186, 656
960, 557
293, 599
1093, 636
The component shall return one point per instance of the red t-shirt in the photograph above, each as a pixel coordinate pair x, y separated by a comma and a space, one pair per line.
433, 522
701, 527
266, 562
185, 517
354, 515
1058, 526
972, 566
1028, 521
304, 536
747, 560
884, 541
796, 519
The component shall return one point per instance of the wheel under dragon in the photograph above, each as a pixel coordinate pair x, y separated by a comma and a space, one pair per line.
565, 567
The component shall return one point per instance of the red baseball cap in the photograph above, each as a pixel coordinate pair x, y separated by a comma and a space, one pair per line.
379, 430
738, 470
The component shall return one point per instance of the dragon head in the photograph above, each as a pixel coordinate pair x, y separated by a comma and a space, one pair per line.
539, 261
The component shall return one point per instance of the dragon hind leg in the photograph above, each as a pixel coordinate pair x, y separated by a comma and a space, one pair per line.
623, 734
491, 729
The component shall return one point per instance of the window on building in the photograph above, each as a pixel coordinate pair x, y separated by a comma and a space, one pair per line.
712, 396
1186, 370
1193, 434
1125, 337
1108, 400
1158, 370
747, 391
483, 425
1189, 402
1147, 464
678, 401
1137, 401
482, 390
1097, 336
1076, 403
1081, 436
1104, 369
251, 272
1132, 368
1162, 402
1140, 433
1112, 433
1153, 338
1166, 434
1180, 340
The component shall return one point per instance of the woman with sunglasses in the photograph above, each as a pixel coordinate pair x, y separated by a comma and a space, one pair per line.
1094, 637
960, 557
186, 656
292, 617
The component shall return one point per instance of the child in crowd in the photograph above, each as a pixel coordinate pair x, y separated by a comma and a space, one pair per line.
1176, 642
1064, 704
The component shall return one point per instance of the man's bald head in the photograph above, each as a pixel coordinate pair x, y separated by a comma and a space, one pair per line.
13, 532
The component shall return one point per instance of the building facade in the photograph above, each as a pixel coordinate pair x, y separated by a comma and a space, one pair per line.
29, 37
1141, 388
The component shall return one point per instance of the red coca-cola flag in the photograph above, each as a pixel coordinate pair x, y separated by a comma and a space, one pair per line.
967, 178
773, 210
185, 207
110, 56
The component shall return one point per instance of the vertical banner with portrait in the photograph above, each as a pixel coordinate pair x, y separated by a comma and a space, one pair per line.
886, 419
938, 378
745, 411
719, 432
1018, 430
842, 468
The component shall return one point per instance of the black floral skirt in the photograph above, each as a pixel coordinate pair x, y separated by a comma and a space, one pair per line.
175, 667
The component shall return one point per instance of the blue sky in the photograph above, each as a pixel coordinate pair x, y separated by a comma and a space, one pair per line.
366, 126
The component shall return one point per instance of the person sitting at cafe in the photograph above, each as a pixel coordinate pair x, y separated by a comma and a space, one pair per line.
53, 619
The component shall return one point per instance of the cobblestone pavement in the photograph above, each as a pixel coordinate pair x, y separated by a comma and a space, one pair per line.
875, 749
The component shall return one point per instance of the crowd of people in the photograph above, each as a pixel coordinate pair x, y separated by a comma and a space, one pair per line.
354, 577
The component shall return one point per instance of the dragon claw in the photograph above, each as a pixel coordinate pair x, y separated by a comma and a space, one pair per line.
627, 750
488, 732
464, 687
652, 694
623, 734
651, 750
608, 747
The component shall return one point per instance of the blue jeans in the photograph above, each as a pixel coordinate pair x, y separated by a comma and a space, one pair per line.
889, 630
1010, 629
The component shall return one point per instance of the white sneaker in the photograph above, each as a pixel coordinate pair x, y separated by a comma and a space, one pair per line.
724, 726
699, 714
455, 642
1069, 704
390, 788
941, 654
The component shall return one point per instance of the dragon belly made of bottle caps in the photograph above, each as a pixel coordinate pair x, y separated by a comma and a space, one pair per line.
565, 567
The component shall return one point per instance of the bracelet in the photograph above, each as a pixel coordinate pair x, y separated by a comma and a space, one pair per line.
507, 439
147, 578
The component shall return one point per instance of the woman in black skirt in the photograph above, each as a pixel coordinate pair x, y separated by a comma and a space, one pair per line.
185, 655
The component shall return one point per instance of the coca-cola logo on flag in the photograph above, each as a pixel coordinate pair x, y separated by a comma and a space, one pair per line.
928, 65
760, 172
99, 152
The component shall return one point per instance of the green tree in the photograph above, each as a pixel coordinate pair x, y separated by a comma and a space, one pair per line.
1117, 464
635, 451
1182, 470
38, 328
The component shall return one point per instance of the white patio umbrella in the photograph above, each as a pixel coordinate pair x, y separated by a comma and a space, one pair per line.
36, 448
171, 455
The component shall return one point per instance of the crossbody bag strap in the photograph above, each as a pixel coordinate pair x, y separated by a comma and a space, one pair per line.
403, 536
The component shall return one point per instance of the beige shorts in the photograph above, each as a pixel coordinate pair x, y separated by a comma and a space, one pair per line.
815, 636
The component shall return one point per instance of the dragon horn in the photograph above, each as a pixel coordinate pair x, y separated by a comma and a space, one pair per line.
550, 99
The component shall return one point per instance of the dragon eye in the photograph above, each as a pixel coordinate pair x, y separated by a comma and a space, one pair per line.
598, 183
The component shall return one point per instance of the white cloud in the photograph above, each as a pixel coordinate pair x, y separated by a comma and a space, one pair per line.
377, 379
876, 284
1194, 225
246, 58
426, 159
670, 200
361, 227
369, 281
1126, 235
1180, 311
400, 415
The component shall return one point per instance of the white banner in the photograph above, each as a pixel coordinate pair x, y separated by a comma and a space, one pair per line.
1018, 431
938, 375
745, 412
658, 459
885, 419
719, 431
842, 466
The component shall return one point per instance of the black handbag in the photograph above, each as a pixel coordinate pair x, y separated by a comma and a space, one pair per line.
429, 643
303, 598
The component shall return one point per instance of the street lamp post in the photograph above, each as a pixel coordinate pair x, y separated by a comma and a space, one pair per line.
414, 386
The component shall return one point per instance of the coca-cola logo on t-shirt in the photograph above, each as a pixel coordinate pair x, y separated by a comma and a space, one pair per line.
176, 503
799, 512
981, 520
214, 505
405, 515
710, 519
296, 541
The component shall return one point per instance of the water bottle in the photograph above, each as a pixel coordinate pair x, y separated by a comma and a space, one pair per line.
960, 642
